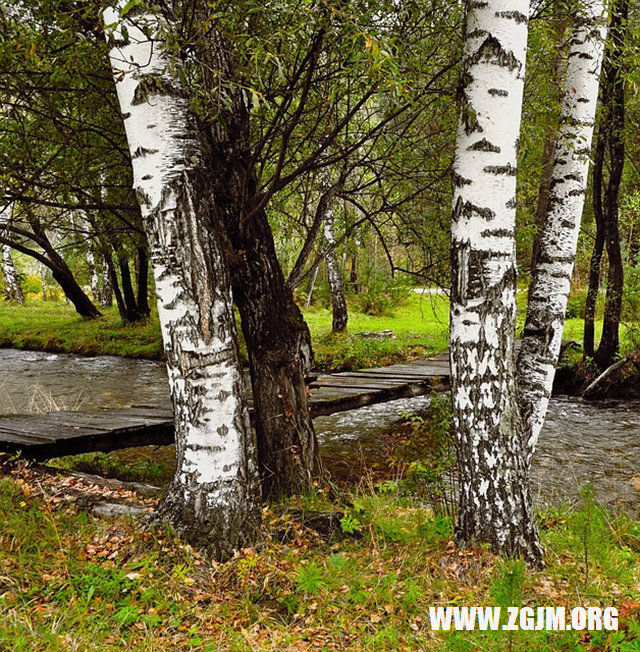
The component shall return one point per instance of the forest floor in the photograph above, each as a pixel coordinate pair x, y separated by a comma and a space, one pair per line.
71, 579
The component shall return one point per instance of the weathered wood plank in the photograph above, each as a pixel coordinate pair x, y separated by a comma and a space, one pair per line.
52, 434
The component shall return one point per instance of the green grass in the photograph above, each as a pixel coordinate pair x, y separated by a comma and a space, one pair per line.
71, 581
56, 327
419, 326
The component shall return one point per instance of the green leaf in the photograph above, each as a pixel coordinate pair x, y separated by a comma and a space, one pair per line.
129, 6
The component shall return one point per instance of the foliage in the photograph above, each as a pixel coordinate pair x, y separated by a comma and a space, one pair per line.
382, 295
428, 454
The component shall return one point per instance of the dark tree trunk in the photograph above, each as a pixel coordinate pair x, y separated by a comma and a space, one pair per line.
63, 274
280, 355
277, 337
143, 283
353, 274
614, 85
115, 286
131, 306
72, 291
340, 316
598, 250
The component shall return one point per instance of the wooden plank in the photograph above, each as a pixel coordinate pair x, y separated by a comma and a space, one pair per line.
24, 439
61, 433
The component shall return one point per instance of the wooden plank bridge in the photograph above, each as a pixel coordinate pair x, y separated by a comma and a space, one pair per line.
53, 434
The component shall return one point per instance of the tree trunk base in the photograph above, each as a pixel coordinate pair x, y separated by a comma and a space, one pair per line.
216, 520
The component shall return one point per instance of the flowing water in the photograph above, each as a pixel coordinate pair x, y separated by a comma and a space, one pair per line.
596, 443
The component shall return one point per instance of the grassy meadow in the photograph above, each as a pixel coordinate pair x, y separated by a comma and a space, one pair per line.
419, 326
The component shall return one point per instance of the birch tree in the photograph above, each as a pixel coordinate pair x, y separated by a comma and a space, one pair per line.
551, 276
12, 287
214, 498
495, 501
340, 316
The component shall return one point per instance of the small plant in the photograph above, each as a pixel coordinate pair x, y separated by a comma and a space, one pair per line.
428, 454
310, 579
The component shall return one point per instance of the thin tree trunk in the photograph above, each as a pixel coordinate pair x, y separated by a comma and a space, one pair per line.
63, 275
557, 82
42, 272
106, 296
551, 279
615, 81
12, 288
339, 312
598, 249
131, 306
93, 274
214, 498
312, 284
353, 273
142, 282
495, 499
115, 286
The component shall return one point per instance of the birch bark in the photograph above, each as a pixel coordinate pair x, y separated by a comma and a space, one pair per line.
551, 276
93, 274
495, 502
12, 287
214, 499
340, 316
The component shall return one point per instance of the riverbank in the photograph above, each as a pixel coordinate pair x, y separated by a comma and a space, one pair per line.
72, 579
416, 329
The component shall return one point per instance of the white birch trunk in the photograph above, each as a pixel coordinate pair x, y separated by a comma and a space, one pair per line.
495, 502
214, 499
340, 316
93, 273
106, 295
12, 287
42, 272
551, 278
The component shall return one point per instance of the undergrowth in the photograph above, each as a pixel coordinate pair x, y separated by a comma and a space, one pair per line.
69, 580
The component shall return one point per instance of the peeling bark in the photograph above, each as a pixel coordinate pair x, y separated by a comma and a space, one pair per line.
214, 498
551, 277
495, 502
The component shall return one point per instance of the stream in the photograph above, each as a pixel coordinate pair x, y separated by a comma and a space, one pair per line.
596, 443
